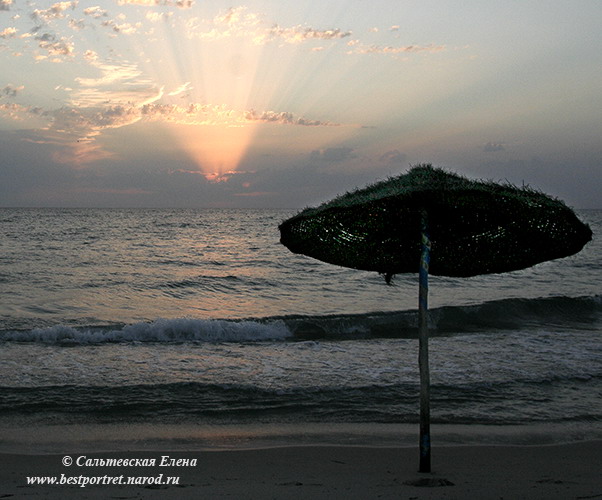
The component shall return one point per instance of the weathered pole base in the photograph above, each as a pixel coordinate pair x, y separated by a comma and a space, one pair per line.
429, 482
425, 452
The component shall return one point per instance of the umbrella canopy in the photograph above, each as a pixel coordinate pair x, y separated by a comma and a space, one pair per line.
430, 221
475, 227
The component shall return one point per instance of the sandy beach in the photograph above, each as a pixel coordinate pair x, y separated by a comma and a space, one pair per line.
563, 471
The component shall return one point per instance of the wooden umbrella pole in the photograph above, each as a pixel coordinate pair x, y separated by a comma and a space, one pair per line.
423, 352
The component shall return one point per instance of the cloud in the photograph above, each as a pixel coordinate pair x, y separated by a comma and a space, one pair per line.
219, 114
299, 184
285, 118
145, 3
236, 21
492, 147
14, 111
299, 34
91, 55
236, 16
46, 37
194, 114
121, 95
119, 82
125, 28
96, 12
182, 4
55, 11
75, 129
109, 117
114, 99
11, 91
393, 157
360, 48
5, 4
54, 47
181, 89
239, 22
155, 17
77, 24
333, 154
8, 33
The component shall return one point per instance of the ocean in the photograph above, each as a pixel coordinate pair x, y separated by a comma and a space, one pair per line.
197, 328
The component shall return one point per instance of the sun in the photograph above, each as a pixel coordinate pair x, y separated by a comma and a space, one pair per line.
215, 149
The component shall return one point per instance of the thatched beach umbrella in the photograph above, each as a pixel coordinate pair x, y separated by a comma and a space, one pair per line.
433, 221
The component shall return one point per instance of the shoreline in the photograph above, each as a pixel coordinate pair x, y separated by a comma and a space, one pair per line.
32, 437
323, 471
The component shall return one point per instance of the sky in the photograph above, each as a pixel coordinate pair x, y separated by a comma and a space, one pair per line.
285, 104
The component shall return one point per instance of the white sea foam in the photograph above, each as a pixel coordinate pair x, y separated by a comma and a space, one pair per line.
161, 330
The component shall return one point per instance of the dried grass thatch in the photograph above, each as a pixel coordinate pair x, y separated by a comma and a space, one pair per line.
475, 227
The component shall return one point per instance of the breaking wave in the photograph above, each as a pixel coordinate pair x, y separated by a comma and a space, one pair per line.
161, 330
509, 314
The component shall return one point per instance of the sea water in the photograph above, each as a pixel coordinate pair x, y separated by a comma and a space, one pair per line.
186, 326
